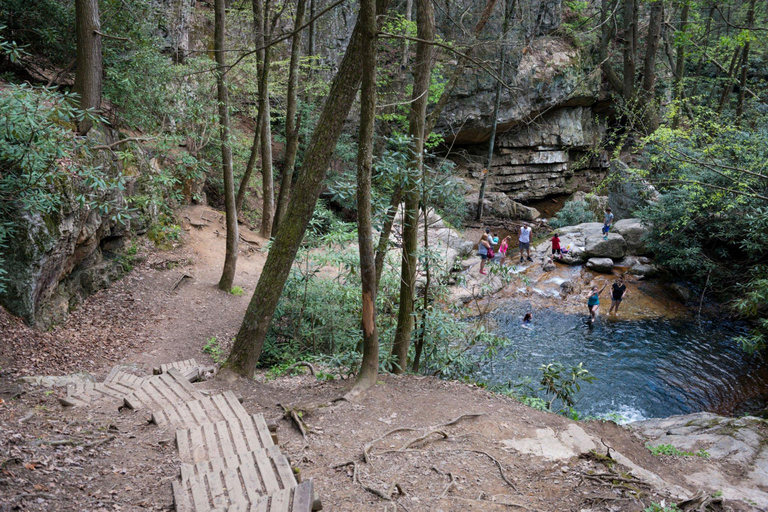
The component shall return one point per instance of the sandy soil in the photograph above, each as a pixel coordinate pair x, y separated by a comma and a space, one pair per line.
100, 458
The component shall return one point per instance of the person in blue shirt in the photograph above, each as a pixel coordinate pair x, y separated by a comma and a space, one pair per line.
593, 302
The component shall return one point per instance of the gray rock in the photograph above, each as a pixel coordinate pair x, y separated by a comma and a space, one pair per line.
548, 266
613, 246
498, 204
576, 256
454, 240
603, 265
633, 232
567, 287
642, 270
683, 293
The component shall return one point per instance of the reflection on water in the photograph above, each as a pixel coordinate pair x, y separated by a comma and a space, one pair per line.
644, 368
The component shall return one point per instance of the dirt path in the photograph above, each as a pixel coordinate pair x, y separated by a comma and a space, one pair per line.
495, 454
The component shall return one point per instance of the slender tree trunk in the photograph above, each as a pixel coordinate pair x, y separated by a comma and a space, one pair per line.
291, 123
745, 65
416, 129
386, 230
680, 64
496, 104
250, 339
729, 81
89, 67
369, 368
630, 48
421, 339
700, 65
408, 12
267, 178
230, 259
649, 107
258, 41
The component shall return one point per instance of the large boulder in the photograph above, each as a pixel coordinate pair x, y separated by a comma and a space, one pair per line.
498, 204
602, 265
454, 240
613, 246
633, 231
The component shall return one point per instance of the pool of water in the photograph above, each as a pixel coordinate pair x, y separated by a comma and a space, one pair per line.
644, 368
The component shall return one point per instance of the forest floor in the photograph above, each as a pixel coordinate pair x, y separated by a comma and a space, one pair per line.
430, 444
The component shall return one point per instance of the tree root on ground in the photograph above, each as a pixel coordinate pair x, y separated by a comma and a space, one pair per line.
356, 479
301, 364
700, 502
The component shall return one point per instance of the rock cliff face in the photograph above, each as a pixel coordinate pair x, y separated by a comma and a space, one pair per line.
547, 129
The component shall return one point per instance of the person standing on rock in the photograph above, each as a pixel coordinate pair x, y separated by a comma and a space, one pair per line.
524, 240
618, 293
482, 250
607, 222
593, 302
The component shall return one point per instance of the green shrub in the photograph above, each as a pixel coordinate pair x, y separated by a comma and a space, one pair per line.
572, 213
237, 291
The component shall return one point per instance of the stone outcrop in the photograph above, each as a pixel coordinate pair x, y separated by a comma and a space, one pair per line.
613, 246
633, 231
500, 205
603, 265
737, 447
626, 194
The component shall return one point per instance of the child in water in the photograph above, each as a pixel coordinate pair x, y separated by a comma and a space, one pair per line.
527, 319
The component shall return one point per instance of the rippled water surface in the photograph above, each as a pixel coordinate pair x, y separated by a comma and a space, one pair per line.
644, 368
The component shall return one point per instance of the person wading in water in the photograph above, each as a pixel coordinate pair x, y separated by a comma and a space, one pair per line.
593, 302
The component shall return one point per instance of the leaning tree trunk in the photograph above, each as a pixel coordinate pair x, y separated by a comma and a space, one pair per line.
425, 28
89, 66
230, 259
291, 124
250, 339
370, 366
745, 65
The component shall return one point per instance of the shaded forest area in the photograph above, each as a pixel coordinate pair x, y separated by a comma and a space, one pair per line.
117, 112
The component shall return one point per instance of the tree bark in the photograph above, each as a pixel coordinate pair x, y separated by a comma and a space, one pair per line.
230, 258
250, 338
267, 178
423, 69
606, 34
291, 123
369, 367
680, 64
630, 48
89, 69
386, 230
651, 118
496, 104
745, 65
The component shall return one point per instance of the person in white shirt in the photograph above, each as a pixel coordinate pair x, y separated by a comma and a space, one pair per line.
524, 240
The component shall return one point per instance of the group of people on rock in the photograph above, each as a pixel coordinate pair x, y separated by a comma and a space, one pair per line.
487, 250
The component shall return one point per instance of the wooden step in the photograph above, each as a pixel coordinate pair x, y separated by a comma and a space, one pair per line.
223, 439
176, 365
161, 391
83, 393
293, 499
209, 409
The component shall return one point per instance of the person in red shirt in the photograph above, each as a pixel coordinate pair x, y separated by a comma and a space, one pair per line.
556, 246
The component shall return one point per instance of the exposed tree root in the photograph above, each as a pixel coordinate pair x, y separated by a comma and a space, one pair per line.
301, 364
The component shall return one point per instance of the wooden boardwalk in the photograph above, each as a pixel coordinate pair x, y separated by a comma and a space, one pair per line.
230, 461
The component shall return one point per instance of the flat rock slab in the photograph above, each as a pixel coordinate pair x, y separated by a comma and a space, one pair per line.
553, 445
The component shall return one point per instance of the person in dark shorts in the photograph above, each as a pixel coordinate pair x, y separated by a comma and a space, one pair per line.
618, 293
556, 245
524, 241
607, 222
482, 250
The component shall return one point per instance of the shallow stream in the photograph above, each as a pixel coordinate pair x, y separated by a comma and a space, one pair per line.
644, 367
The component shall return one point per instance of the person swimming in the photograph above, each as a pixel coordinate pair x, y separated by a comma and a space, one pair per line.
527, 321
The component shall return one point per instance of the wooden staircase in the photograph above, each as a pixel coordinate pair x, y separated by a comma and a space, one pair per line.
230, 459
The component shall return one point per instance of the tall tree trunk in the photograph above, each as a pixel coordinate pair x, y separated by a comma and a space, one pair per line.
258, 41
745, 65
230, 259
425, 28
729, 81
496, 104
606, 34
291, 123
267, 181
386, 230
700, 65
680, 64
88, 61
369, 367
651, 117
630, 48
250, 338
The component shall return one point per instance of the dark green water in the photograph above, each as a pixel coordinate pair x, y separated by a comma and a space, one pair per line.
644, 369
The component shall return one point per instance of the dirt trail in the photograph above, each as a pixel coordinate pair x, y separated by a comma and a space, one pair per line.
496, 455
